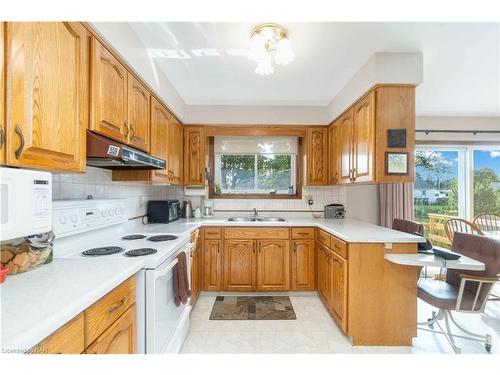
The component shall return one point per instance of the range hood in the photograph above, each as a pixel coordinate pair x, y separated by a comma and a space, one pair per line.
106, 153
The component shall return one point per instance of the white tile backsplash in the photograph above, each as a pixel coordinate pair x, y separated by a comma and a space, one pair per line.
97, 182
321, 196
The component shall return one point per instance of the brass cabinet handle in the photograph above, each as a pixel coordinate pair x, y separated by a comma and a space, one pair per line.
19, 151
2, 137
117, 306
132, 129
128, 129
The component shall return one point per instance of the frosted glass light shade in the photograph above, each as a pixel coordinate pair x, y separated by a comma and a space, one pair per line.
284, 53
265, 67
257, 52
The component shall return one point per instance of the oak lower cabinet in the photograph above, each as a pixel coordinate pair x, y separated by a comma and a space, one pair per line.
239, 265
273, 265
212, 264
303, 262
47, 95
106, 327
119, 338
337, 268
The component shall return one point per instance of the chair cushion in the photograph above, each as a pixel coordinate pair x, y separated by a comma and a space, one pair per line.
444, 295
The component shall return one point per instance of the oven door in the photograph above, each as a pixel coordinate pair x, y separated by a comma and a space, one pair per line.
164, 320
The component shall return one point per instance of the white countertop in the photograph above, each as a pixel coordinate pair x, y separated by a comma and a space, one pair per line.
36, 303
349, 230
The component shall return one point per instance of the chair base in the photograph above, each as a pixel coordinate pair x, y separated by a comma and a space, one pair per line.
448, 317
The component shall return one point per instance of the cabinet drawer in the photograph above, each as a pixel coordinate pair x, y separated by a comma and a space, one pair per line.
66, 340
119, 338
195, 236
339, 246
302, 233
255, 233
324, 238
213, 233
104, 312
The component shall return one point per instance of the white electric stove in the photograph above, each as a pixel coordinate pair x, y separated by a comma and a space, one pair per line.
98, 230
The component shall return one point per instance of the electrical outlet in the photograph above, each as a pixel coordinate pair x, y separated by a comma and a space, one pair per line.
309, 200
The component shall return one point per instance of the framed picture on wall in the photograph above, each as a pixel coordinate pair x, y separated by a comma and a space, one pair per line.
396, 138
396, 163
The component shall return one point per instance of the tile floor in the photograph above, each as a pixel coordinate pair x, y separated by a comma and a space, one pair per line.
314, 331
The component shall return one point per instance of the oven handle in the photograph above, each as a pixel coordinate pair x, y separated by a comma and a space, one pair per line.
162, 273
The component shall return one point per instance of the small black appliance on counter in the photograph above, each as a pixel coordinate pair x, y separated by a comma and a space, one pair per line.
163, 211
334, 211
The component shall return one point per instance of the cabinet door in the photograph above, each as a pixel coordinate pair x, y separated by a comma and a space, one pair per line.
212, 259
175, 151
345, 123
303, 260
333, 148
239, 265
109, 94
119, 338
2, 93
159, 138
317, 156
273, 265
322, 264
364, 139
138, 99
47, 95
194, 266
338, 267
194, 155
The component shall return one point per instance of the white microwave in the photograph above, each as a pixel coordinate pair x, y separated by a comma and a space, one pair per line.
25, 203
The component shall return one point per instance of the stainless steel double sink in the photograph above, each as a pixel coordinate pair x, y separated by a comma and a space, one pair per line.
260, 219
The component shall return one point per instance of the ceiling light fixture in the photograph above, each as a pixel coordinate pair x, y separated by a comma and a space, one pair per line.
266, 40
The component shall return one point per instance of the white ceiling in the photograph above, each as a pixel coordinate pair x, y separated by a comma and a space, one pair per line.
206, 64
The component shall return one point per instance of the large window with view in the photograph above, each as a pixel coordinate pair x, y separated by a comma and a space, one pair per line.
455, 182
265, 166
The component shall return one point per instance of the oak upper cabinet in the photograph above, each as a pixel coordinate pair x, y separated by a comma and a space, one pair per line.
138, 114
47, 95
160, 119
194, 155
338, 305
273, 265
175, 151
212, 265
345, 134
119, 338
2, 93
239, 265
364, 139
333, 153
303, 265
317, 156
109, 94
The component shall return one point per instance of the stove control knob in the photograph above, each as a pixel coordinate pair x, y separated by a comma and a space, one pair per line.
104, 213
62, 219
117, 211
74, 218
110, 212
122, 211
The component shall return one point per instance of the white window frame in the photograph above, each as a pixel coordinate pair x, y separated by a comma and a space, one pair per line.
293, 167
465, 176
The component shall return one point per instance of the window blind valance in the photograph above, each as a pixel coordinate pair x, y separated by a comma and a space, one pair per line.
255, 145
